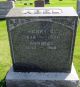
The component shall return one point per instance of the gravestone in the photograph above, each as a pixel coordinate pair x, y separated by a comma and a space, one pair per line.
39, 3
12, 0
42, 44
78, 7
5, 6
40, 40
47, 1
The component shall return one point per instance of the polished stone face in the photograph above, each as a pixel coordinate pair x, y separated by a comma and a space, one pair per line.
42, 43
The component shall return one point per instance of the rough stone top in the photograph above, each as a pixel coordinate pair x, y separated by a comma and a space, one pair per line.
41, 11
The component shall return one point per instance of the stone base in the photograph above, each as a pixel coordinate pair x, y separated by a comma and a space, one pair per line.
35, 79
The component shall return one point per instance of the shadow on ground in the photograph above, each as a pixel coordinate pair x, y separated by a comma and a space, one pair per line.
3, 83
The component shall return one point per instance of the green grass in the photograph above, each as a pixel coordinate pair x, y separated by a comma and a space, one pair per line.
77, 51
5, 57
69, 3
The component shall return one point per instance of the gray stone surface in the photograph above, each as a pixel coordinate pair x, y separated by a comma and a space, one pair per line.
11, 0
47, 1
5, 6
79, 83
41, 43
39, 3
78, 7
42, 11
35, 79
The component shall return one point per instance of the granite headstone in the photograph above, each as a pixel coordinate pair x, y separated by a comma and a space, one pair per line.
5, 6
42, 39
11, 0
47, 1
78, 7
39, 3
